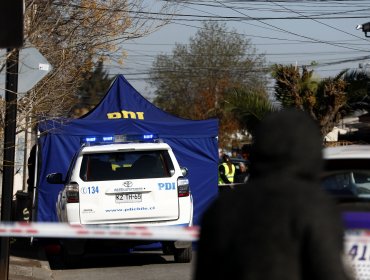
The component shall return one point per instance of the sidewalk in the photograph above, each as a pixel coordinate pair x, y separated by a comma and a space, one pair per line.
28, 269
28, 262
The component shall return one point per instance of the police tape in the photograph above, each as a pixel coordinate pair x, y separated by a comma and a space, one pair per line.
64, 230
182, 233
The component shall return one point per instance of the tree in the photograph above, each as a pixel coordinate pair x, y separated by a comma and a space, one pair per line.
358, 86
92, 90
249, 107
323, 99
72, 35
194, 81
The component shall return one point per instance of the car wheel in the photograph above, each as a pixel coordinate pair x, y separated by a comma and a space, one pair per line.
183, 255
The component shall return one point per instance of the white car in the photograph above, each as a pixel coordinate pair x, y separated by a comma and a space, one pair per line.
347, 178
347, 174
133, 183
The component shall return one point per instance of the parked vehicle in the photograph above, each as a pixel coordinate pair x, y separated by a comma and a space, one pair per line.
347, 175
347, 179
119, 184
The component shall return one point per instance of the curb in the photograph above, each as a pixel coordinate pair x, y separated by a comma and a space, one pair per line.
28, 263
22, 268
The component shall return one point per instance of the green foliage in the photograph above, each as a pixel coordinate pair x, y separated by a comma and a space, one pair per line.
358, 85
249, 107
292, 88
194, 81
92, 89
94, 86
324, 100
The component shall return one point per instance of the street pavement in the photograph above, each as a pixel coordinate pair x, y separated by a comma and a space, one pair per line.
27, 261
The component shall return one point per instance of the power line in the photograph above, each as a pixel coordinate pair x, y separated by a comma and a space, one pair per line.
332, 27
293, 33
304, 10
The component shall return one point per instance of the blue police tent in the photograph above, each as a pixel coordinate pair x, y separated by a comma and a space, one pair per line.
125, 111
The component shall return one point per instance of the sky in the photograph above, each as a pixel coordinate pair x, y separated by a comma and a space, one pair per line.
287, 32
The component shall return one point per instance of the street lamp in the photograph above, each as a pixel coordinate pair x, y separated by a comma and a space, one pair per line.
365, 28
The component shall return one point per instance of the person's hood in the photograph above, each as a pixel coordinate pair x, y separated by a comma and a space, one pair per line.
289, 143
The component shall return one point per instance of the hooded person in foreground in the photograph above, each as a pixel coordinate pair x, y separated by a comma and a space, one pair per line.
280, 225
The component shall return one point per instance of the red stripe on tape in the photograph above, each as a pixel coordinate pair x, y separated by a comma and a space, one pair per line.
146, 233
82, 231
99, 232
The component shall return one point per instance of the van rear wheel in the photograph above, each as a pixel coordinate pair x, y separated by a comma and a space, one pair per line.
183, 255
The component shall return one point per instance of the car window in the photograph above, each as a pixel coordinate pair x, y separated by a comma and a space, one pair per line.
347, 177
125, 165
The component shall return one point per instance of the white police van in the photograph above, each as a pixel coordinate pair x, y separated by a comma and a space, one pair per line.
129, 183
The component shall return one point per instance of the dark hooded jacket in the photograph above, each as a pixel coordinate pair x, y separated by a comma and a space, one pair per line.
280, 225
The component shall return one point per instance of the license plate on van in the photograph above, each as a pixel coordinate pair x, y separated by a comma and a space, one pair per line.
128, 197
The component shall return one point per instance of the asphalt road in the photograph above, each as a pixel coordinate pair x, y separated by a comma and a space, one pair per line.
31, 262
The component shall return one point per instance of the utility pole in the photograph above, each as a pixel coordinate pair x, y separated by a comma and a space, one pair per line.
9, 152
11, 38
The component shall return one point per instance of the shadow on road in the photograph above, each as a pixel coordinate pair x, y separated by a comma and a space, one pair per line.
42, 251
24, 248
109, 259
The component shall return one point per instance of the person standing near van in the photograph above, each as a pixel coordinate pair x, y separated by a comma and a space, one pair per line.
281, 225
226, 171
243, 175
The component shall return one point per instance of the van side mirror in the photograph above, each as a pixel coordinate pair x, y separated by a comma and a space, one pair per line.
55, 178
